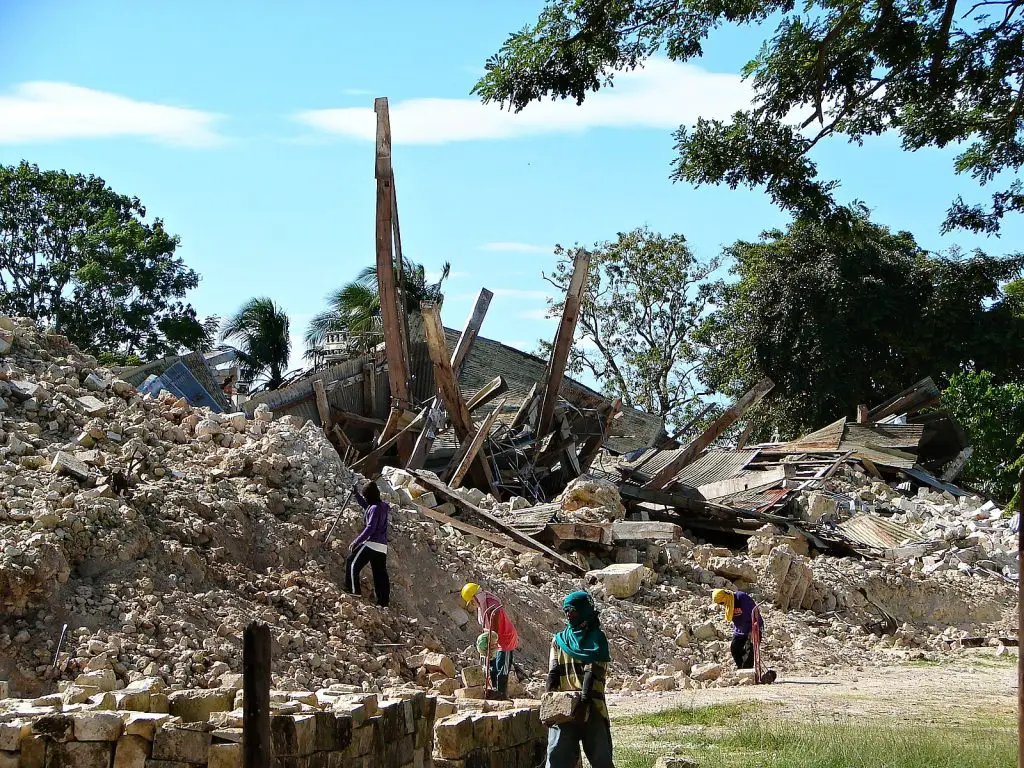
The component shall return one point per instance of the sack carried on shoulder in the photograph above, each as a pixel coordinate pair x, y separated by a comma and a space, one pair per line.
557, 707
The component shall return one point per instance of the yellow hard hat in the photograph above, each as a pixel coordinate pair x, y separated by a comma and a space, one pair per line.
469, 592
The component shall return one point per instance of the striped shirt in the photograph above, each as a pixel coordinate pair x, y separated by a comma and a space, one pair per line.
571, 672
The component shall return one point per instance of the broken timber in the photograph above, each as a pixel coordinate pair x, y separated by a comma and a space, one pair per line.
472, 530
394, 344
442, 491
474, 446
563, 340
368, 464
436, 416
448, 388
694, 448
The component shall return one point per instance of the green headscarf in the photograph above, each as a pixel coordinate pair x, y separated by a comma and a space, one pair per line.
582, 638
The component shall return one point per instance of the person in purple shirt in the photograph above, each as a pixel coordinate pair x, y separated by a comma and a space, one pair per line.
371, 546
741, 610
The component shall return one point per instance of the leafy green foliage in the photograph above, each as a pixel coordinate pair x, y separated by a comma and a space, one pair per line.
843, 315
993, 416
354, 309
936, 74
261, 328
78, 257
646, 297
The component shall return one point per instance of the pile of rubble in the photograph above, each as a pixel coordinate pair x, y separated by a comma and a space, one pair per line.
156, 531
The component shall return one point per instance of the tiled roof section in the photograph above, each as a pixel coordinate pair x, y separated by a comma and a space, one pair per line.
824, 439
905, 437
521, 370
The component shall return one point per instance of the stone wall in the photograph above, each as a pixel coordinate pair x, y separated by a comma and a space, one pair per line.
357, 731
149, 727
512, 738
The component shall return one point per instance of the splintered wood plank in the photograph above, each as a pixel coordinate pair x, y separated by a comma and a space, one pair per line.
394, 346
475, 444
448, 387
563, 340
694, 448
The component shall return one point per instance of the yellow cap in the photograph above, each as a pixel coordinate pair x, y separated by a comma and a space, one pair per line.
469, 592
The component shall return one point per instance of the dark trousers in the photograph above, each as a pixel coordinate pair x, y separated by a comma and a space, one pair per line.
378, 562
564, 743
501, 666
742, 648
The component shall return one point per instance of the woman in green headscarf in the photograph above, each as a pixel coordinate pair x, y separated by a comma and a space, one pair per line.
579, 662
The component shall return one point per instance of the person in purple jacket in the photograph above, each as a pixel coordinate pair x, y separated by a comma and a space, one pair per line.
742, 611
371, 546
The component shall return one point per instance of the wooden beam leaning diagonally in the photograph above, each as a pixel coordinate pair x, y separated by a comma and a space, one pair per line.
563, 340
448, 388
694, 448
473, 448
444, 492
592, 445
436, 415
394, 346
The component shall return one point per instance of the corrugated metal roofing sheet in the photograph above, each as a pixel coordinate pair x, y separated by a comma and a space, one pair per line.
875, 531
710, 468
931, 480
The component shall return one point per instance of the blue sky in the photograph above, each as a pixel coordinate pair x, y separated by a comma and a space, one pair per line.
247, 127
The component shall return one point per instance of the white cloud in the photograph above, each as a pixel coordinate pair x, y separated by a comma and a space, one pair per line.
49, 111
516, 248
663, 94
540, 313
356, 92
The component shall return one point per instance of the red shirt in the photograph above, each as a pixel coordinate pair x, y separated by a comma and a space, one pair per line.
492, 617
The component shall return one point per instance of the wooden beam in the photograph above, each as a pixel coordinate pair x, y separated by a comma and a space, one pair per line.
743, 483
563, 340
474, 447
496, 388
436, 417
862, 414
358, 420
445, 492
472, 530
394, 347
592, 445
323, 409
448, 387
403, 315
391, 427
524, 408
694, 448
256, 664
369, 389
471, 330
368, 464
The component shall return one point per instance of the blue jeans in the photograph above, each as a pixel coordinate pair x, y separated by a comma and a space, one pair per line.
564, 743
501, 666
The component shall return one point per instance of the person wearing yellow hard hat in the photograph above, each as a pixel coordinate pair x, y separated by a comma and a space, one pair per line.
492, 617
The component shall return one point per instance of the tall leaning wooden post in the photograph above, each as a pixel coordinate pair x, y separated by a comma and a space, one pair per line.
256, 692
394, 342
563, 340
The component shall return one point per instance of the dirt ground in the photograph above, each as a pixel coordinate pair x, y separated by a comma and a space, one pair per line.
973, 685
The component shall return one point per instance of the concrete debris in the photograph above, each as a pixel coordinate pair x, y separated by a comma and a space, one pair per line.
160, 541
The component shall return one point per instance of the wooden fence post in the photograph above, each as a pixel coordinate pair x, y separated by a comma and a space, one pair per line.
256, 692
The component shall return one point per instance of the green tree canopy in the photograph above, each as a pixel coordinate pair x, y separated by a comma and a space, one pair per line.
78, 257
260, 329
646, 297
938, 73
354, 309
993, 416
843, 316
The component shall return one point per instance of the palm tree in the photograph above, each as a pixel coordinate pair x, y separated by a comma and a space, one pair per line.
354, 309
261, 327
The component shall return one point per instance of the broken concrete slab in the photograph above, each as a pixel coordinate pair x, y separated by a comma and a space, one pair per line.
622, 580
641, 530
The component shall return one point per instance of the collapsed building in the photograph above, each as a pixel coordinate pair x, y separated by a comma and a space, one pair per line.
141, 532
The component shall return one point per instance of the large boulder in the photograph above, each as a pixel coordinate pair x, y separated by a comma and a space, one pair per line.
622, 580
593, 499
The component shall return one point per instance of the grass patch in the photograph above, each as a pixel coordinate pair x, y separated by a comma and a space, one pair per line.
789, 744
712, 715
